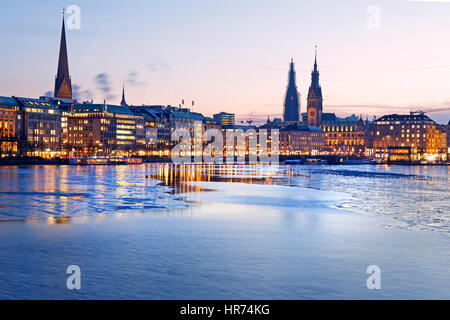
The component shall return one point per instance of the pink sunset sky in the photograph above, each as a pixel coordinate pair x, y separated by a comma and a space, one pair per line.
234, 56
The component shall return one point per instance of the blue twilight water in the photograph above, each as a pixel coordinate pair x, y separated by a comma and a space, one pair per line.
200, 232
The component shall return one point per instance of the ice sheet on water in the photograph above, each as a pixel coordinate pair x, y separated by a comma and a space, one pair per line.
267, 195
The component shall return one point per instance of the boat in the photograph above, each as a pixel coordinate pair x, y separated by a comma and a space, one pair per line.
316, 161
104, 161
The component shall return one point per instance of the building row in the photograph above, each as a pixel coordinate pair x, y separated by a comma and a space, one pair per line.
60, 126
55, 127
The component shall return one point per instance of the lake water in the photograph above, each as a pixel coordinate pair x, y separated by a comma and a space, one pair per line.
157, 231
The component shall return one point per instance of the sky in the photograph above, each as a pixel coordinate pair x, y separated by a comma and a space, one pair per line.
375, 57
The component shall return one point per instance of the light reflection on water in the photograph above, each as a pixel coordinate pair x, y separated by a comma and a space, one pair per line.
415, 196
263, 233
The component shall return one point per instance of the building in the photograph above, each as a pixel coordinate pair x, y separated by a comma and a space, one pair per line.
63, 83
291, 103
314, 106
346, 138
301, 140
448, 140
39, 128
101, 129
414, 137
29, 127
242, 138
157, 129
224, 118
8, 118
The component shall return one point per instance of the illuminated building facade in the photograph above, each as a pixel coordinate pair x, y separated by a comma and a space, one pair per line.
413, 137
301, 140
8, 117
225, 119
100, 129
448, 140
346, 138
39, 131
157, 129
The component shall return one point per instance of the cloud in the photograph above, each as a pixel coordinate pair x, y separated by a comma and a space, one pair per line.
79, 94
156, 64
103, 84
133, 79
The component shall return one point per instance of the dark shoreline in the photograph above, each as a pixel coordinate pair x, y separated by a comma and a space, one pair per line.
333, 161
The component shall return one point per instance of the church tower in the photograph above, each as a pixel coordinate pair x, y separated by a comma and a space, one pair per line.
291, 103
123, 102
315, 101
63, 84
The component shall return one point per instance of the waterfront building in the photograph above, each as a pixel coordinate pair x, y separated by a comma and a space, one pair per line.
63, 83
414, 137
315, 101
224, 118
65, 105
8, 118
239, 133
291, 103
301, 140
210, 123
448, 140
39, 128
101, 129
157, 129
346, 138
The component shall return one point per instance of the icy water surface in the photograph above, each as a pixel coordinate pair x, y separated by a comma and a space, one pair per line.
200, 232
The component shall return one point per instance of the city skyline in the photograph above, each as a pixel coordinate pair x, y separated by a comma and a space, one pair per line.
223, 80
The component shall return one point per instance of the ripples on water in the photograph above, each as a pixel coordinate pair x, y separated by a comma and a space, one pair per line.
416, 197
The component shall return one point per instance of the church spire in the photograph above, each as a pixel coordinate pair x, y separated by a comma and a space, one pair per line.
315, 60
63, 84
291, 103
314, 101
123, 102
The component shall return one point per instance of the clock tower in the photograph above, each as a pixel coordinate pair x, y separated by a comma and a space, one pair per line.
315, 101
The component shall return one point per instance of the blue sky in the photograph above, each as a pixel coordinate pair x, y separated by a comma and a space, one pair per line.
234, 55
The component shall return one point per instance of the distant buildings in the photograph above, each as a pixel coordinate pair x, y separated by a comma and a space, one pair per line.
301, 140
224, 118
59, 126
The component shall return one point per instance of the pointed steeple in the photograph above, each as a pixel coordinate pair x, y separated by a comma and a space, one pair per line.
123, 102
315, 101
315, 60
63, 84
291, 103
